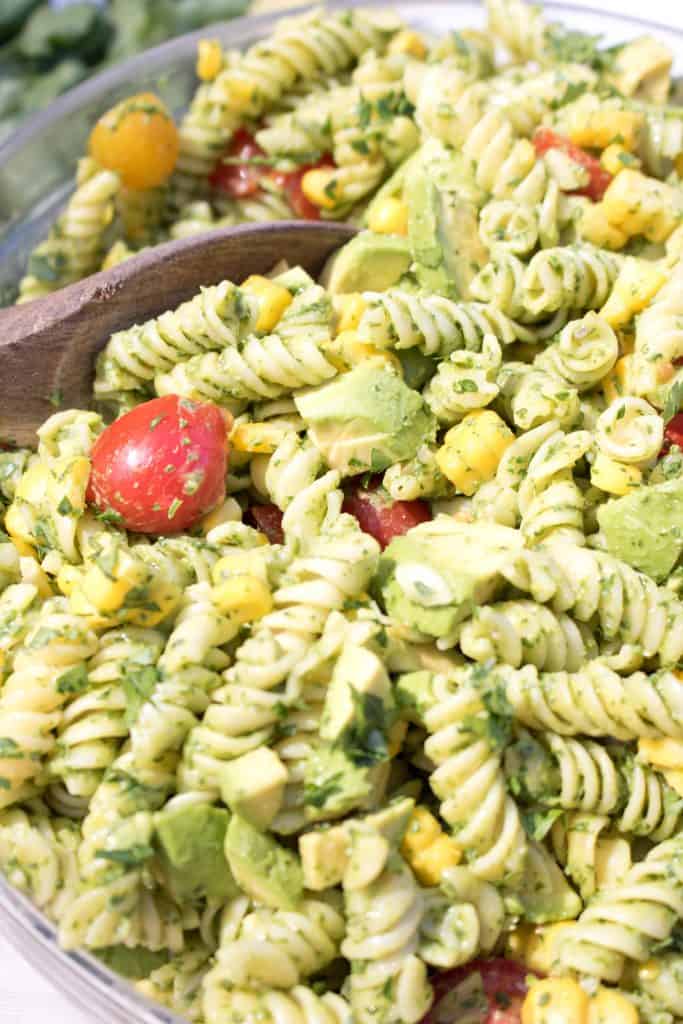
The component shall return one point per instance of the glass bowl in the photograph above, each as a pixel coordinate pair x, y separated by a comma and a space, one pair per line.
37, 165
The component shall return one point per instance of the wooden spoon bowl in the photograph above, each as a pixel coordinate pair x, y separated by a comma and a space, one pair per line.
48, 347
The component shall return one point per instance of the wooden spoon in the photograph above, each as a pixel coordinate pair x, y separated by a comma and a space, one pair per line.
47, 347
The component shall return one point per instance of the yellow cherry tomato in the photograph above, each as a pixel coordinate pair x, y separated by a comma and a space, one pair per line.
138, 140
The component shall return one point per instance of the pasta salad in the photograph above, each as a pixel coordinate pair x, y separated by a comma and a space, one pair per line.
341, 647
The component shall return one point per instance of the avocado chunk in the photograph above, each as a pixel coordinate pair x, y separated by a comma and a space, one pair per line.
415, 694
532, 771
253, 786
431, 579
134, 962
645, 528
325, 852
267, 871
544, 893
365, 420
191, 843
369, 262
443, 231
359, 711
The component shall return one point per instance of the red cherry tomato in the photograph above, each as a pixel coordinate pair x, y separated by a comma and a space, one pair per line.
290, 183
545, 139
239, 180
673, 433
504, 984
381, 516
162, 465
268, 519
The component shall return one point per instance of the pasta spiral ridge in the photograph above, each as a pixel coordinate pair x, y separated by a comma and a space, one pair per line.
595, 701
582, 775
464, 382
178, 983
335, 566
301, 1005
94, 723
584, 353
470, 783
432, 323
626, 921
579, 277
33, 696
419, 477
74, 246
521, 632
263, 367
280, 948
38, 853
550, 502
216, 318
388, 978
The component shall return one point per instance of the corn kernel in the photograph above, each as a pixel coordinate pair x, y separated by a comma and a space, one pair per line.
641, 205
555, 1001
349, 309
389, 217
616, 159
600, 128
665, 753
618, 383
209, 59
68, 578
594, 227
638, 281
614, 477
317, 186
473, 449
273, 300
540, 952
423, 829
24, 549
245, 597
241, 92
349, 350
108, 595
608, 1006
409, 42
259, 438
430, 864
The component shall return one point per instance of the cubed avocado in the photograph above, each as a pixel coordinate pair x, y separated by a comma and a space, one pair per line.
358, 676
334, 783
443, 231
324, 856
532, 771
267, 871
432, 578
544, 893
366, 420
134, 962
253, 785
369, 262
191, 841
414, 694
645, 528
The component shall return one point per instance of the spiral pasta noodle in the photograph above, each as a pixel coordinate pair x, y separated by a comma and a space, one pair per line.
178, 983
465, 382
216, 318
584, 353
301, 1005
630, 431
550, 503
75, 244
470, 783
578, 277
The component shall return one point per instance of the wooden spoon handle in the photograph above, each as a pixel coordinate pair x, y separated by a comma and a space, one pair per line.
47, 346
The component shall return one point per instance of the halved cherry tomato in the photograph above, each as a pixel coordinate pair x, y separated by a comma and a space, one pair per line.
545, 139
381, 516
673, 433
290, 183
239, 180
162, 465
268, 519
504, 984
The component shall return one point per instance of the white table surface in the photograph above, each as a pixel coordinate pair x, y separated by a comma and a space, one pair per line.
25, 998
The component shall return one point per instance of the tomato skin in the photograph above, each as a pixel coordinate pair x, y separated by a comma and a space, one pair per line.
290, 183
673, 433
381, 516
268, 519
162, 465
504, 984
239, 180
545, 139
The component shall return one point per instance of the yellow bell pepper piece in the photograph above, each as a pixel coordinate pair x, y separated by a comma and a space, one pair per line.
638, 281
273, 300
